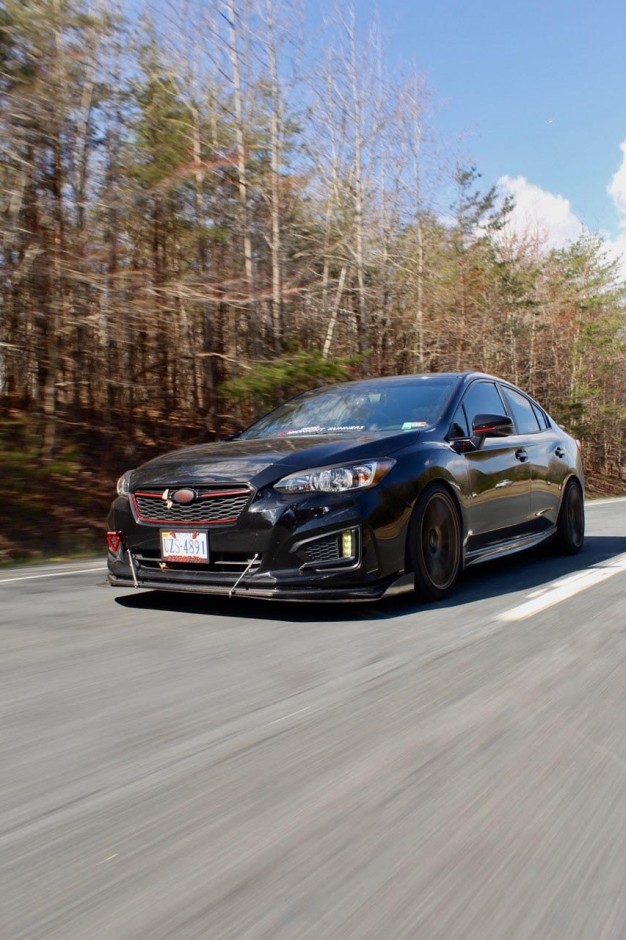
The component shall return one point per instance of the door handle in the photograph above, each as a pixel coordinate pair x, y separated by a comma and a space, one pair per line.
559, 451
521, 455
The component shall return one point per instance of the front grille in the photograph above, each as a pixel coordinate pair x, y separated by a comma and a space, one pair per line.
325, 549
210, 507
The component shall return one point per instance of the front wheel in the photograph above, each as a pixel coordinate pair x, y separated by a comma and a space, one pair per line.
570, 525
435, 543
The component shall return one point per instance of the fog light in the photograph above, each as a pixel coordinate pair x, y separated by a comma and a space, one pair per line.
347, 544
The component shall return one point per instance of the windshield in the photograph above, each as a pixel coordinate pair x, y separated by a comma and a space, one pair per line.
352, 408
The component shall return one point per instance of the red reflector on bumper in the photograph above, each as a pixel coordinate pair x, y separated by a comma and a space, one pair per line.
114, 540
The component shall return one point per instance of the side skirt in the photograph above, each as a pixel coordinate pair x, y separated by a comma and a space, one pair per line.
508, 547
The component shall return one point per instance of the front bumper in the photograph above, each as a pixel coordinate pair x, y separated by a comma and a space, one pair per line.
278, 549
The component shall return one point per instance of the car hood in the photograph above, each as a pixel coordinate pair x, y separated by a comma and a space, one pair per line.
263, 461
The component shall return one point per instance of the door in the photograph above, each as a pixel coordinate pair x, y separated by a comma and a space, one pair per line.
541, 444
499, 505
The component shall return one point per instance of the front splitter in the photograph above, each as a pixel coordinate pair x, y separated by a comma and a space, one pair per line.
372, 592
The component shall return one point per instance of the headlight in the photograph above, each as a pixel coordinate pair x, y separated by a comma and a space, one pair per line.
123, 484
357, 476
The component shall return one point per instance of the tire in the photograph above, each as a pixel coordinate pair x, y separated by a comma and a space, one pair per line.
434, 547
570, 525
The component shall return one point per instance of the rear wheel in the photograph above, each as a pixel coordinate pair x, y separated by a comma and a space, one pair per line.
570, 525
435, 543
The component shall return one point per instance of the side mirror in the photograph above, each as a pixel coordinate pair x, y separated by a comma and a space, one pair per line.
489, 425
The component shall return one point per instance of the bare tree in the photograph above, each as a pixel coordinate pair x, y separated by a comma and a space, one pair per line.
232, 13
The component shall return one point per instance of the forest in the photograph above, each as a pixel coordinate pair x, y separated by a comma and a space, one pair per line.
208, 206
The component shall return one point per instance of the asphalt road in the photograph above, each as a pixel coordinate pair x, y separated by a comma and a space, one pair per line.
176, 767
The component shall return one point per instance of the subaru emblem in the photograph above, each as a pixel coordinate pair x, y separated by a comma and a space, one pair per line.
184, 497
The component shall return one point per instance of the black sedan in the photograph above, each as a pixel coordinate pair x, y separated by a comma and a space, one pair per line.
353, 491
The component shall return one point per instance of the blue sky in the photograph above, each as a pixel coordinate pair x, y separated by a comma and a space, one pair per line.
534, 93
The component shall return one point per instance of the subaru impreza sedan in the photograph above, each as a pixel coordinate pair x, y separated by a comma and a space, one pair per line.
354, 491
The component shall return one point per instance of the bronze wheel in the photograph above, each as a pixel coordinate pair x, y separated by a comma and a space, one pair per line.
435, 543
570, 526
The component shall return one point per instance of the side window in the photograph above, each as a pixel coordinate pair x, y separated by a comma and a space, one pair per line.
541, 417
458, 428
522, 411
482, 398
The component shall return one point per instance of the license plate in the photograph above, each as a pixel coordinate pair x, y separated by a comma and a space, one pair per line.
184, 546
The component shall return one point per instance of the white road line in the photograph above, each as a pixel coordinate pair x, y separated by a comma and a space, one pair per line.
56, 574
306, 708
565, 588
589, 504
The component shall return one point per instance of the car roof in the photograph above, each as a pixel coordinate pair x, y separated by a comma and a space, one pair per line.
453, 377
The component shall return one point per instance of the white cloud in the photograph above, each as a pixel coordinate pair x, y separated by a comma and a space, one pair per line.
539, 215
616, 247
548, 221
617, 188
